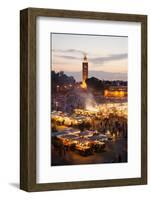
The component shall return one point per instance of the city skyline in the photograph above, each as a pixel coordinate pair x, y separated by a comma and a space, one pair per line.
107, 55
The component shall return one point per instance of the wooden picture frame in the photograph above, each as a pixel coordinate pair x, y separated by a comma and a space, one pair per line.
28, 98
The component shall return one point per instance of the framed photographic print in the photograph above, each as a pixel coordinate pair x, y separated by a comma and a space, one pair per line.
83, 92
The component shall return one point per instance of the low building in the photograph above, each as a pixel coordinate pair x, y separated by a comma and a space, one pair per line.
116, 91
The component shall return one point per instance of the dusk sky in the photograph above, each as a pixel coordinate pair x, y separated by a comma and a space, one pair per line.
107, 55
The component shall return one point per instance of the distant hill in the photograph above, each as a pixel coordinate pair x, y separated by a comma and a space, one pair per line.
100, 75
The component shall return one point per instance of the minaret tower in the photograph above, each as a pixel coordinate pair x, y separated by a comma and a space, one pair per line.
85, 68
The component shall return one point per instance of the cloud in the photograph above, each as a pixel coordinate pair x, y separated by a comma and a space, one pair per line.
112, 57
76, 51
74, 54
69, 57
